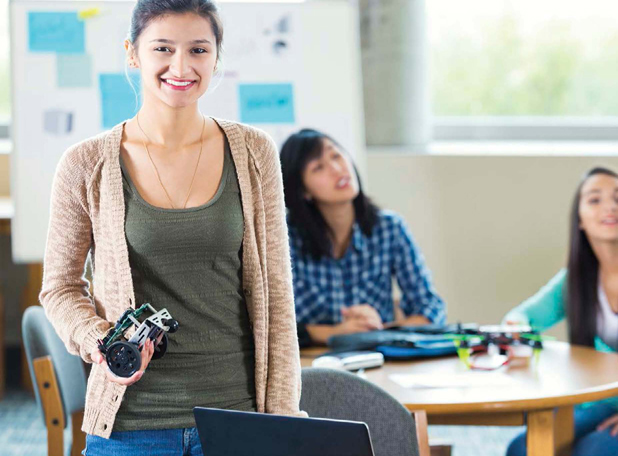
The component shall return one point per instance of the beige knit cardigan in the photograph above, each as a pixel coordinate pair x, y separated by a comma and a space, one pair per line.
87, 218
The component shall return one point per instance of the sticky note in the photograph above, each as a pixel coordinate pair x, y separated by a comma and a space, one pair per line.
266, 103
73, 70
88, 13
118, 100
60, 32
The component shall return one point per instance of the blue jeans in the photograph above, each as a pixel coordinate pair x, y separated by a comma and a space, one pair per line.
588, 441
164, 442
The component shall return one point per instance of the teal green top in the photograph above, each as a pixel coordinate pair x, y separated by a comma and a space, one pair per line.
189, 262
547, 308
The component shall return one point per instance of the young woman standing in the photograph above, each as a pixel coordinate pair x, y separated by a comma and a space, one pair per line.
184, 212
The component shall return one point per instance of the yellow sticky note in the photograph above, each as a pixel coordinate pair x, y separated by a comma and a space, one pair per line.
88, 13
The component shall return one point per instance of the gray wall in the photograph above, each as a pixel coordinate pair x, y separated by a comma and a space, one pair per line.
493, 229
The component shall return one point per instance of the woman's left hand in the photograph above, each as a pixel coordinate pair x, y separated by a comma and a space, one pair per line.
147, 352
611, 422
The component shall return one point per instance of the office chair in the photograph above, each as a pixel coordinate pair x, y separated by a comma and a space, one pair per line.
336, 394
58, 379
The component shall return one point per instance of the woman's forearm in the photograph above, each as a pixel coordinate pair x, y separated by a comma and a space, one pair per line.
321, 333
412, 320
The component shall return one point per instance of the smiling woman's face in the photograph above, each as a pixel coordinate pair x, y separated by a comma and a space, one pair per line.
176, 55
598, 208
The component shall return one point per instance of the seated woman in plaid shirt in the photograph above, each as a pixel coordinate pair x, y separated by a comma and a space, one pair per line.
345, 250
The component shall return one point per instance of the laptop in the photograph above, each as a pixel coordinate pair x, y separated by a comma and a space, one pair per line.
233, 433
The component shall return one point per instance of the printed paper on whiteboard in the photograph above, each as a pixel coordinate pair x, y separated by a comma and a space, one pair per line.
51, 31
118, 100
58, 122
74, 70
266, 103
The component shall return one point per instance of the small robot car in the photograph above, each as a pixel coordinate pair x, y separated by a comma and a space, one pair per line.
123, 356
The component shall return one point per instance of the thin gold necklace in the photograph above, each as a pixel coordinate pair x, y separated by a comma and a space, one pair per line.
157, 171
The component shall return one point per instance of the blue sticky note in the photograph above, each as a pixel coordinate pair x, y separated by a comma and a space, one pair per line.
73, 70
60, 32
118, 100
266, 103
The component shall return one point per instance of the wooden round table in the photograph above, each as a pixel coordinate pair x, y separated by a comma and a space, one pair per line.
540, 396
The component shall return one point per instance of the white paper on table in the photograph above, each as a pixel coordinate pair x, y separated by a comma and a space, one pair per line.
453, 380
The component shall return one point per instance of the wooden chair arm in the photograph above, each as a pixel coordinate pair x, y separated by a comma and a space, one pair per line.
52, 404
422, 436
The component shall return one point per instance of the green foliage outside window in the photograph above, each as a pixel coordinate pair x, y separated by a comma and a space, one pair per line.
554, 72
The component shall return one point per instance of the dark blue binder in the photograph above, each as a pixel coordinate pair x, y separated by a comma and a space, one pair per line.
400, 343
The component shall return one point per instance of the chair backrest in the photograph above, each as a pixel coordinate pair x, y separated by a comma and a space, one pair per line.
40, 339
336, 394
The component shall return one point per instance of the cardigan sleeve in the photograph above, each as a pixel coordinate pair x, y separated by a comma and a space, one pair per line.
545, 308
65, 291
284, 373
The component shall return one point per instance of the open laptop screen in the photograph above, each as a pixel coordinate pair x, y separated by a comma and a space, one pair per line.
233, 433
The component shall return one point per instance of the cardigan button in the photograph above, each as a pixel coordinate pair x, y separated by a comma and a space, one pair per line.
247, 292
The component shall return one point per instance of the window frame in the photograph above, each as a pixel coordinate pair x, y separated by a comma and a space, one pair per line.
528, 128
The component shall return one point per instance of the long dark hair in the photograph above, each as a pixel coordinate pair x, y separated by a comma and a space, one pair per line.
145, 11
583, 274
298, 150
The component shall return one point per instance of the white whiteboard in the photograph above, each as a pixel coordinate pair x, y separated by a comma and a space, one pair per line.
57, 100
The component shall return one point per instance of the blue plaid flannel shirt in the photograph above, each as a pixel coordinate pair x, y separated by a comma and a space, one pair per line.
364, 276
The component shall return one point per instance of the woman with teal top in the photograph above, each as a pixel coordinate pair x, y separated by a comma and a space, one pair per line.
586, 294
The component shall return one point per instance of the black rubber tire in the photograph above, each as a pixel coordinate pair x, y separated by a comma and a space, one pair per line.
161, 348
123, 358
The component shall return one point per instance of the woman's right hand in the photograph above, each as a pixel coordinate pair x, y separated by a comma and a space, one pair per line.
147, 352
366, 316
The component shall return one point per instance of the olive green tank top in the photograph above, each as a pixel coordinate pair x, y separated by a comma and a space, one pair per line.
189, 261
